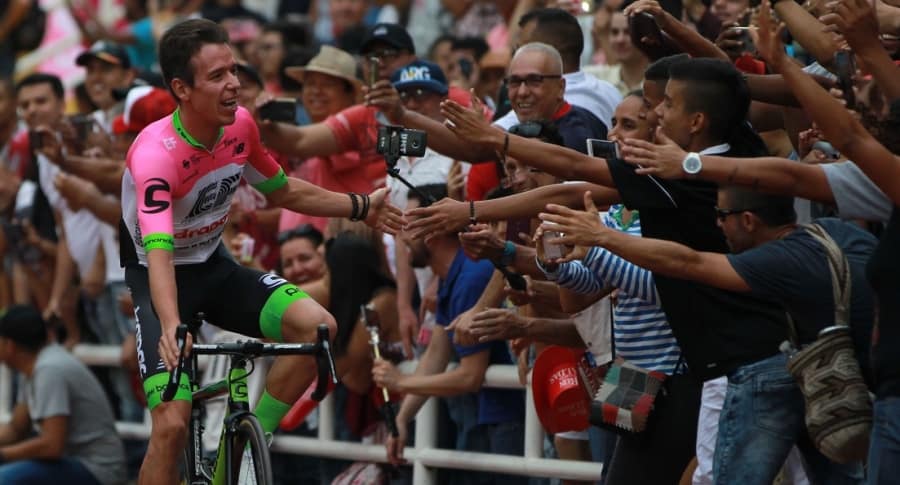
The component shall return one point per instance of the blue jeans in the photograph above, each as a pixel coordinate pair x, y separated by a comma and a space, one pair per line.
65, 471
884, 449
762, 418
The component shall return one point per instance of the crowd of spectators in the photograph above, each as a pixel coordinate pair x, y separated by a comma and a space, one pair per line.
685, 249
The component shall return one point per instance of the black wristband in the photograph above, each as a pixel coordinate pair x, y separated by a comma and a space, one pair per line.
472, 219
354, 211
365, 207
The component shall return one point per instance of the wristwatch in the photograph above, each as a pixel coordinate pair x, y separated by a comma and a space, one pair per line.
692, 164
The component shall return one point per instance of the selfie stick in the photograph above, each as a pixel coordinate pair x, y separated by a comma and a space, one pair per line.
387, 409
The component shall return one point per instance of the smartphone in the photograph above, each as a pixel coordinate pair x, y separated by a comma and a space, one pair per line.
644, 25
465, 67
845, 68
35, 140
83, 124
552, 252
746, 39
283, 110
603, 149
374, 70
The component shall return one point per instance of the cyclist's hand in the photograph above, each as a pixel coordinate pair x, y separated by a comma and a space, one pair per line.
383, 215
395, 445
168, 347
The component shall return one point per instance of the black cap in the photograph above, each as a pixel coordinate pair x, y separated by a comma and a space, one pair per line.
108, 52
392, 34
24, 325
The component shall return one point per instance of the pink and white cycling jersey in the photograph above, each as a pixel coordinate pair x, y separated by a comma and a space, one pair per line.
176, 194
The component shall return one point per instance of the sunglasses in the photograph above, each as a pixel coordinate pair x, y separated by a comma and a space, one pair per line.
418, 95
531, 80
723, 214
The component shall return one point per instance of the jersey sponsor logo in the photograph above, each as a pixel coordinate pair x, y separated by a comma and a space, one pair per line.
214, 195
271, 280
155, 206
189, 233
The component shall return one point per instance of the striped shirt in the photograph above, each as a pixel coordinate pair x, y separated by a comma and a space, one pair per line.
641, 333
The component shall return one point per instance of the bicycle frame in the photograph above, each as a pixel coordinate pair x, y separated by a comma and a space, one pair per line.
235, 386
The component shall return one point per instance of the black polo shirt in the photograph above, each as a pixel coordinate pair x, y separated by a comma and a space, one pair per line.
717, 330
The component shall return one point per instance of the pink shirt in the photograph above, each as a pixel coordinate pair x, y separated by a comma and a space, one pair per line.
176, 194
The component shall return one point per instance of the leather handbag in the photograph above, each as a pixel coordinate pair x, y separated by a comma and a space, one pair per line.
838, 404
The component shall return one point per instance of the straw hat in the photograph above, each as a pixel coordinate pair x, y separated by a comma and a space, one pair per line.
331, 61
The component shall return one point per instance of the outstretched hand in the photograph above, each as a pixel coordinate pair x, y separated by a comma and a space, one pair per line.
383, 215
856, 20
662, 159
768, 43
446, 215
468, 123
578, 228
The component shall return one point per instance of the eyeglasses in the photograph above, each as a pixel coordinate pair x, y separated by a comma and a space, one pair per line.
307, 231
382, 54
531, 80
418, 95
723, 214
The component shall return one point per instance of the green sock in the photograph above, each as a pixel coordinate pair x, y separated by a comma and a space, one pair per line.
270, 411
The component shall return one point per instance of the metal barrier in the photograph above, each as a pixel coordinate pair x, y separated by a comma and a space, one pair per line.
424, 457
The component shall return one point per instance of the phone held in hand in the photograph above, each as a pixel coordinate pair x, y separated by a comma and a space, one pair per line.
35, 140
552, 252
644, 30
283, 110
374, 70
845, 68
83, 124
746, 39
603, 149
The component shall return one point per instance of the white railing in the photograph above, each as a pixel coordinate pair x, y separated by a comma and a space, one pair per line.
424, 457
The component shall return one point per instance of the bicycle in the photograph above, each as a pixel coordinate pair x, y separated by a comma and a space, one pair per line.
243, 443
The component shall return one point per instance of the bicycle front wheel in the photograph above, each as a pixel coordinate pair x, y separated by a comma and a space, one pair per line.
251, 463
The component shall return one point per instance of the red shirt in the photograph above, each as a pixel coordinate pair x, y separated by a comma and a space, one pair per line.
358, 168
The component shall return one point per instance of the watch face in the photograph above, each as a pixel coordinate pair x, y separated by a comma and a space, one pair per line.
692, 164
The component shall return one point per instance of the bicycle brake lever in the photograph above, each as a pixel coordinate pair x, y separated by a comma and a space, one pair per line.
175, 376
324, 365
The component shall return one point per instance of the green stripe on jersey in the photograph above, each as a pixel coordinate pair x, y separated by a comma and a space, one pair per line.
276, 182
159, 240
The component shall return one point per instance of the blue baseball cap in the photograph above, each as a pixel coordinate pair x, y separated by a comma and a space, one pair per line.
420, 74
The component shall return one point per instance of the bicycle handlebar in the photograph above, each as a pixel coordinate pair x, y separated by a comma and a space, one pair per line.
252, 349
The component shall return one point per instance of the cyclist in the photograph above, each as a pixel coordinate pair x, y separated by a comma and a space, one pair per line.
181, 173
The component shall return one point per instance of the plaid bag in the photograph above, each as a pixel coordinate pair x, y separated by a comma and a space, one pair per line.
622, 394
